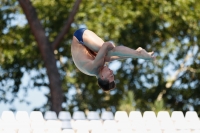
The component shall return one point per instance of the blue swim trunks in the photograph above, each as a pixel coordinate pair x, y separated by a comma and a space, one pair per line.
79, 35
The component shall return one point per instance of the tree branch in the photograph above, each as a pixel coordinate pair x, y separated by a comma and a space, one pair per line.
67, 25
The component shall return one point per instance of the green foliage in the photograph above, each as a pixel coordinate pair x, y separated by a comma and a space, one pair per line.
158, 106
127, 102
170, 28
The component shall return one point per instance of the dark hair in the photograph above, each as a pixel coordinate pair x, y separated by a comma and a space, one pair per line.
105, 85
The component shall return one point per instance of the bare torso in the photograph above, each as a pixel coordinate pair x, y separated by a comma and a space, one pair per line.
91, 57
82, 57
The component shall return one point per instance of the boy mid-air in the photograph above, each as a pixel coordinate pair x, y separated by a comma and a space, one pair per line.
90, 54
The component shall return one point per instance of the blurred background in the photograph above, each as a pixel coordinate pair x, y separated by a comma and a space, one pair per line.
40, 75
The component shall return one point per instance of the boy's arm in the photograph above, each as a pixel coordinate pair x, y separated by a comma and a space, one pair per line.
100, 58
108, 52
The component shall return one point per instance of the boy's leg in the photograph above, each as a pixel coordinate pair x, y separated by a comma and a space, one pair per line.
92, 41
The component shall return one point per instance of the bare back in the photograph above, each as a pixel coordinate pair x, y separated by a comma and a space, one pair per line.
82, 57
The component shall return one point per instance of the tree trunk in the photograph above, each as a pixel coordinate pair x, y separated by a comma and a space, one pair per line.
47, 54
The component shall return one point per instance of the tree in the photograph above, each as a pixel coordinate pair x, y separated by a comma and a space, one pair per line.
170, 28
47, 49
